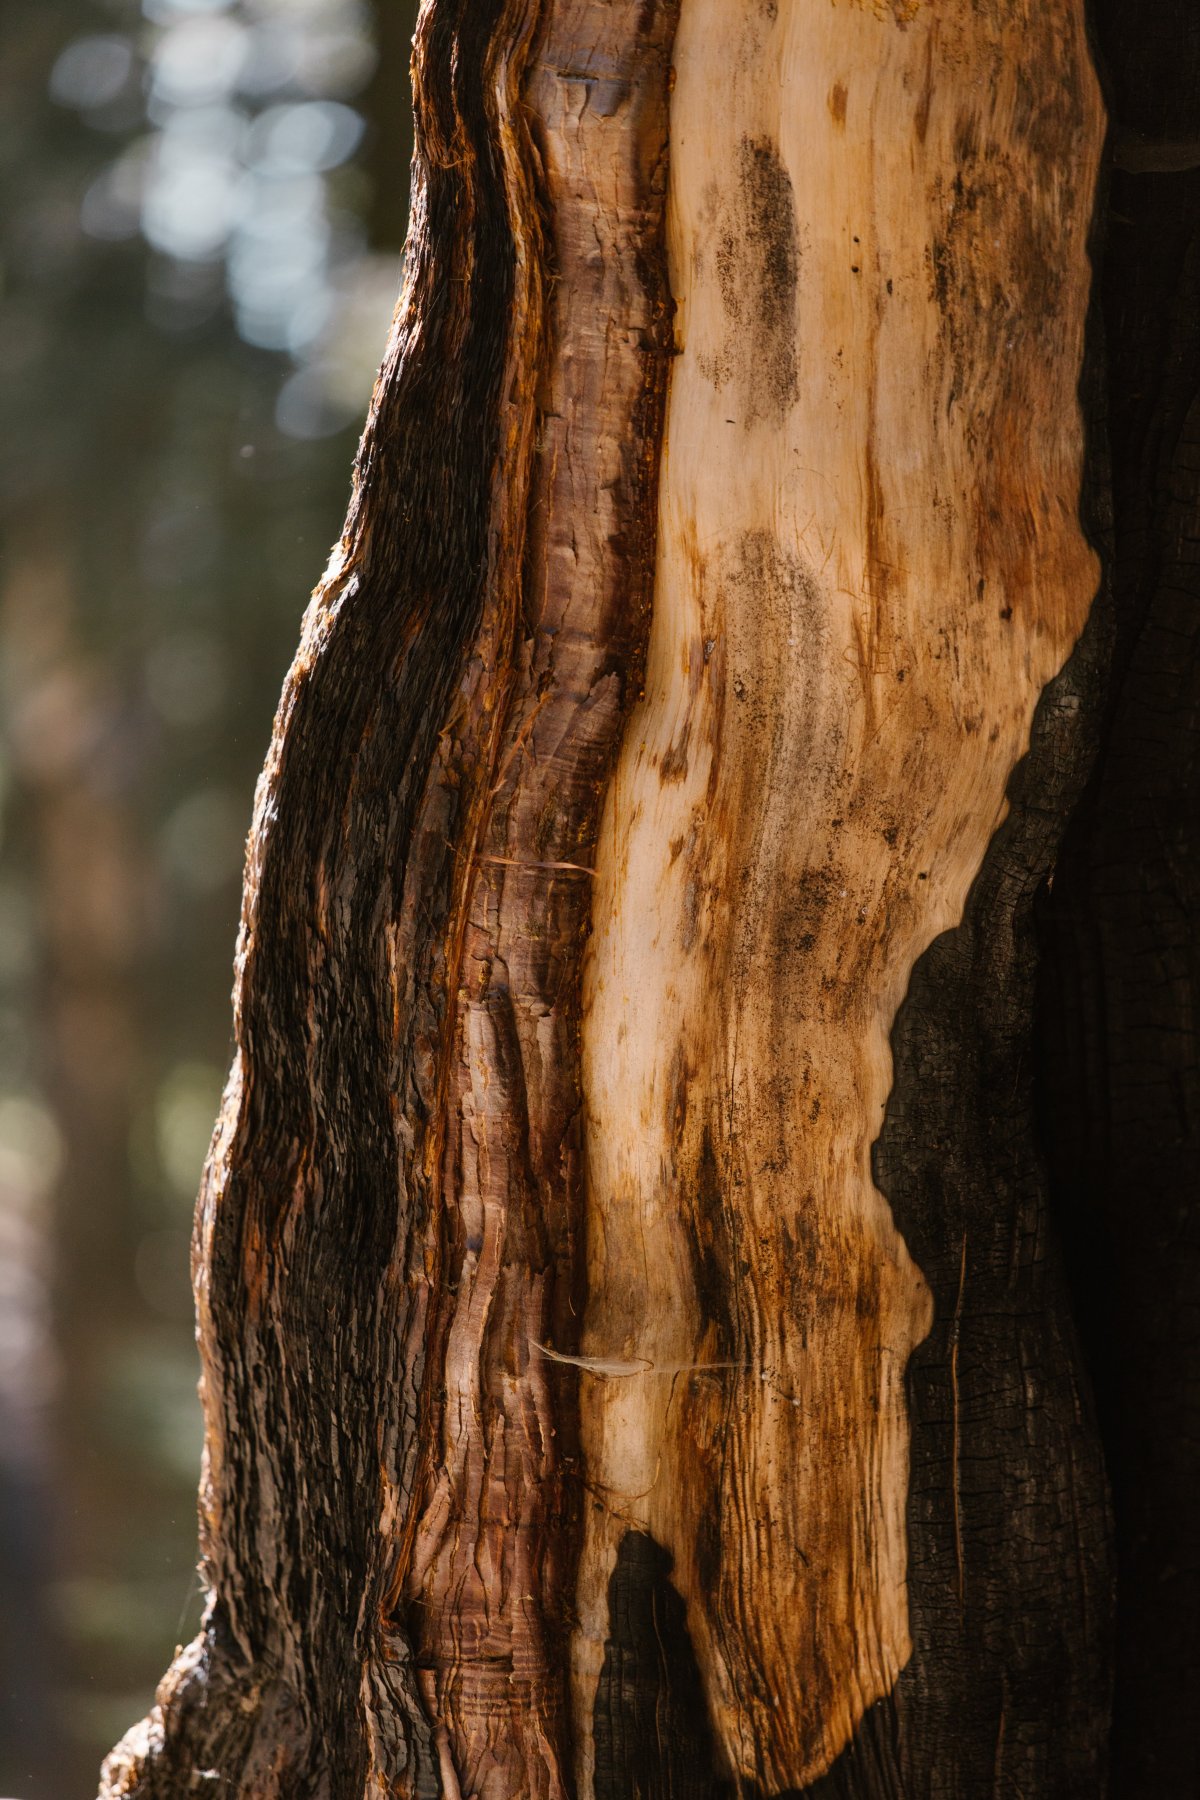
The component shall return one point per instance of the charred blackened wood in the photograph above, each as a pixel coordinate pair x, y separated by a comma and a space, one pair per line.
1120, 1025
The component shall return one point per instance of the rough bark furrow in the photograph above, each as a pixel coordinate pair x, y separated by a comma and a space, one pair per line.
491, 1579
317, 1261
388, 1249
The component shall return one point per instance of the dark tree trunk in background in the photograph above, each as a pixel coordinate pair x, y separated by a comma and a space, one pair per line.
697, 1249
1121, 940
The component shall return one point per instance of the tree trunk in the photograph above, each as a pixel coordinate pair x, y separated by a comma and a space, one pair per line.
639, 1359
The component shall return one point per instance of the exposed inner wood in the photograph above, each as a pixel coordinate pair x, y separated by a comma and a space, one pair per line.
869, 565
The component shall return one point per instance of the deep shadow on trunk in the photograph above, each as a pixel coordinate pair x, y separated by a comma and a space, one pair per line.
1119, 1034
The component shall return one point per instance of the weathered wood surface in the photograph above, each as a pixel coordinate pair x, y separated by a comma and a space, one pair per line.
870, 563
637, 1364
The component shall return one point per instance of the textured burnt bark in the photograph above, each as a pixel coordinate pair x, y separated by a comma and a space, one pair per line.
317, 1249
1120, 1028
387, 1243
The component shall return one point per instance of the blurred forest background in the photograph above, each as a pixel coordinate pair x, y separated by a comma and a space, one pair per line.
202, 208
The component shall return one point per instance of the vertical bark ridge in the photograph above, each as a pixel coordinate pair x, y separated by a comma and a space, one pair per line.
491, 1577
388, 1236
314, 1272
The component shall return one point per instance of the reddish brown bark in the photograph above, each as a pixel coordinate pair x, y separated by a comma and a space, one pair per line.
389, 1231
491, 1575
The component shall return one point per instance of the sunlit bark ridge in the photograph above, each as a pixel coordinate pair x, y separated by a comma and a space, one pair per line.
568, 1248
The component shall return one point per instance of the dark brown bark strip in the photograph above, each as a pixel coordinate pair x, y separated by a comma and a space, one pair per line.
317, 1252
387, 1255
491, 1579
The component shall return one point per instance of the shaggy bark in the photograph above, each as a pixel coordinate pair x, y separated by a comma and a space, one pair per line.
639, 1356
387, 1248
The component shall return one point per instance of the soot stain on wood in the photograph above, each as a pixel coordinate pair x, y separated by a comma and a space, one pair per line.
985, 202
758, 274
711, 1245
